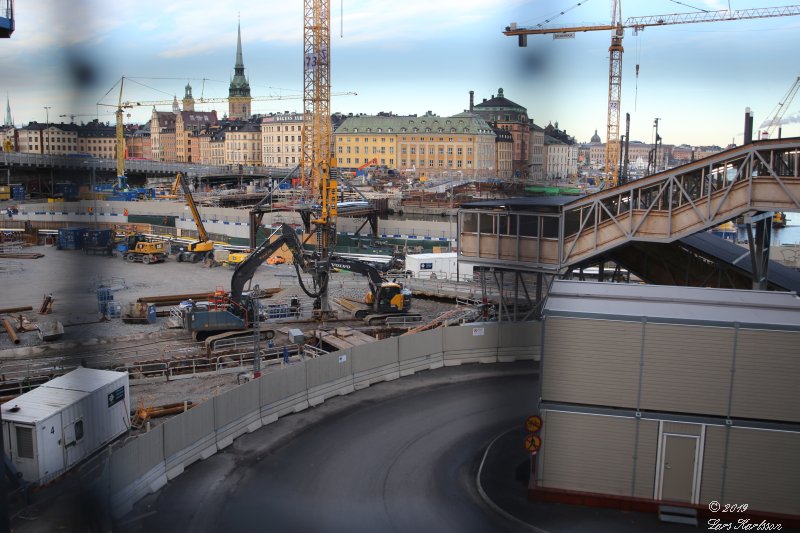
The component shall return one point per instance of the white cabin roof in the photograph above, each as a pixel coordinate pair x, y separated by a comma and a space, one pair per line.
770, 309
57, 394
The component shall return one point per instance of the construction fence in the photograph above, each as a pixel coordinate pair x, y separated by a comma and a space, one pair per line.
144, 464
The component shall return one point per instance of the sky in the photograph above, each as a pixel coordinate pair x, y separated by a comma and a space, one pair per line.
408, 58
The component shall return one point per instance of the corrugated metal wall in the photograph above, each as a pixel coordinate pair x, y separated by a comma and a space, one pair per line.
596, 454
593, 362
686, 369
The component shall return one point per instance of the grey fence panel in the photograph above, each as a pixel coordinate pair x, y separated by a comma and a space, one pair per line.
136, 470
421, 351
375, 362
471, 343
283, 392
189, 437
519, 341
329, 375
236, 412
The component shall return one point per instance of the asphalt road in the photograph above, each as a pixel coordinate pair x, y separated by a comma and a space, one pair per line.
400, 456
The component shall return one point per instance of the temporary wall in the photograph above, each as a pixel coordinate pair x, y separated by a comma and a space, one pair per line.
144, 464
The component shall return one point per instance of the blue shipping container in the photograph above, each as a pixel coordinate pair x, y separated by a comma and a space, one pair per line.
18, 192
70, 238
97, 237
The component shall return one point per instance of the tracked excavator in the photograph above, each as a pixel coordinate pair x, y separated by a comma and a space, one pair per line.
233, 314
384, 299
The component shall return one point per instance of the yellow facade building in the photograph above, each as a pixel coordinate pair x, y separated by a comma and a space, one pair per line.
429, 145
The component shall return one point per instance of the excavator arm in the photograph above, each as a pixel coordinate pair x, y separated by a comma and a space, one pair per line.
246, 269
359, 267
202, 235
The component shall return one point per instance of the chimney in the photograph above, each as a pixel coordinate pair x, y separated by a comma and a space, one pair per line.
471, 100
748, 126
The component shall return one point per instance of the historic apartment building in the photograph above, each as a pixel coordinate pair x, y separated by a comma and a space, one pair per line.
243, 144
95, 139
429, 145
162, 136
503, 113
536, 153
281, 139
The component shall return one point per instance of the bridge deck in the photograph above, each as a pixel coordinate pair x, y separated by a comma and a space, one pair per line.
554, 233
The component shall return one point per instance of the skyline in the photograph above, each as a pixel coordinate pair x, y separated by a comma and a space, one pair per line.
696, 78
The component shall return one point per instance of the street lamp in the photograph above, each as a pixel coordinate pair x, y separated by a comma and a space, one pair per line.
47, 133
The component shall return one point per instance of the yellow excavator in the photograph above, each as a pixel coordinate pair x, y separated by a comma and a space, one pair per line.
202, 248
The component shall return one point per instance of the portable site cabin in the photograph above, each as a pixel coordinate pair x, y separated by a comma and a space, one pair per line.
50, 429
658, 395
438, 266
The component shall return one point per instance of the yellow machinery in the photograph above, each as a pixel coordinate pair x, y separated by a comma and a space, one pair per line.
146, 252
617, 28
202, 248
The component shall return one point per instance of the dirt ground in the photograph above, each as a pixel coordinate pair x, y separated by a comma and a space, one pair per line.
72, 278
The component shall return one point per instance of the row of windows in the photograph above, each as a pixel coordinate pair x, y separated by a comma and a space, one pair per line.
437, 163
366, 151
278, 128
511, 224
414, 138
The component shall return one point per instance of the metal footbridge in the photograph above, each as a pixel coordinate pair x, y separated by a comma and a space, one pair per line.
553, 235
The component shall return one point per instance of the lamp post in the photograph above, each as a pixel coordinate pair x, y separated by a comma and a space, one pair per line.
47, 134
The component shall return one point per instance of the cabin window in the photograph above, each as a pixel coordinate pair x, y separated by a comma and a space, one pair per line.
78, 430
469, 222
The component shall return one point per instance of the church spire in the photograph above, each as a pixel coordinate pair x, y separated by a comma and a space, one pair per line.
8, 121
239, 68
239, 90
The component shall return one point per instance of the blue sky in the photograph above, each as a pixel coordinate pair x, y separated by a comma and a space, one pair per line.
410, 57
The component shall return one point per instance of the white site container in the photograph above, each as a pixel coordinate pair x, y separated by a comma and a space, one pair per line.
50, 429
438, 266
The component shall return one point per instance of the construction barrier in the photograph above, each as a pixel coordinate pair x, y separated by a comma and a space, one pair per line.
145, 463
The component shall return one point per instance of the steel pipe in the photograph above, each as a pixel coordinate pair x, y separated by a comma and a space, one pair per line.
10, 330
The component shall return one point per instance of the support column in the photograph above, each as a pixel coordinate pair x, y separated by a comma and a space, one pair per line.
759, 243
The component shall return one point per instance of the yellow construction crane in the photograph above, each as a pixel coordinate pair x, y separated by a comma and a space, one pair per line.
780, 109
317, 162
617, 28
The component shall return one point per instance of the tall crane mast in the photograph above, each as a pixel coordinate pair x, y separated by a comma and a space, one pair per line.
317, 162
617, 28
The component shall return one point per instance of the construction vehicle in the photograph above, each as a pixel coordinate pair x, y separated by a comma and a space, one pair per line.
202, 248
234, 313
141, 251
384, 299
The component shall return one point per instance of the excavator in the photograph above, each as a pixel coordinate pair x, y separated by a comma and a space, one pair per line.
384, 299
234, 313
202, 248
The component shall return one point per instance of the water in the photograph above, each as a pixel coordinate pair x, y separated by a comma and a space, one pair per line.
790, 234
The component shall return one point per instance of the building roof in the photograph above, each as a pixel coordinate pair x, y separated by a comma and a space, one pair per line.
662, 303
731, 253
53, 396
523, 202
500, 102
469, 123
552, 140
595, 138
198, 118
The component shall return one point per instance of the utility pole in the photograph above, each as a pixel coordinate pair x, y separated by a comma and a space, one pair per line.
655, 147
256, 333
46, 138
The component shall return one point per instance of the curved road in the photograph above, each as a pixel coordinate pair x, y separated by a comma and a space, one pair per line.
400, 456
